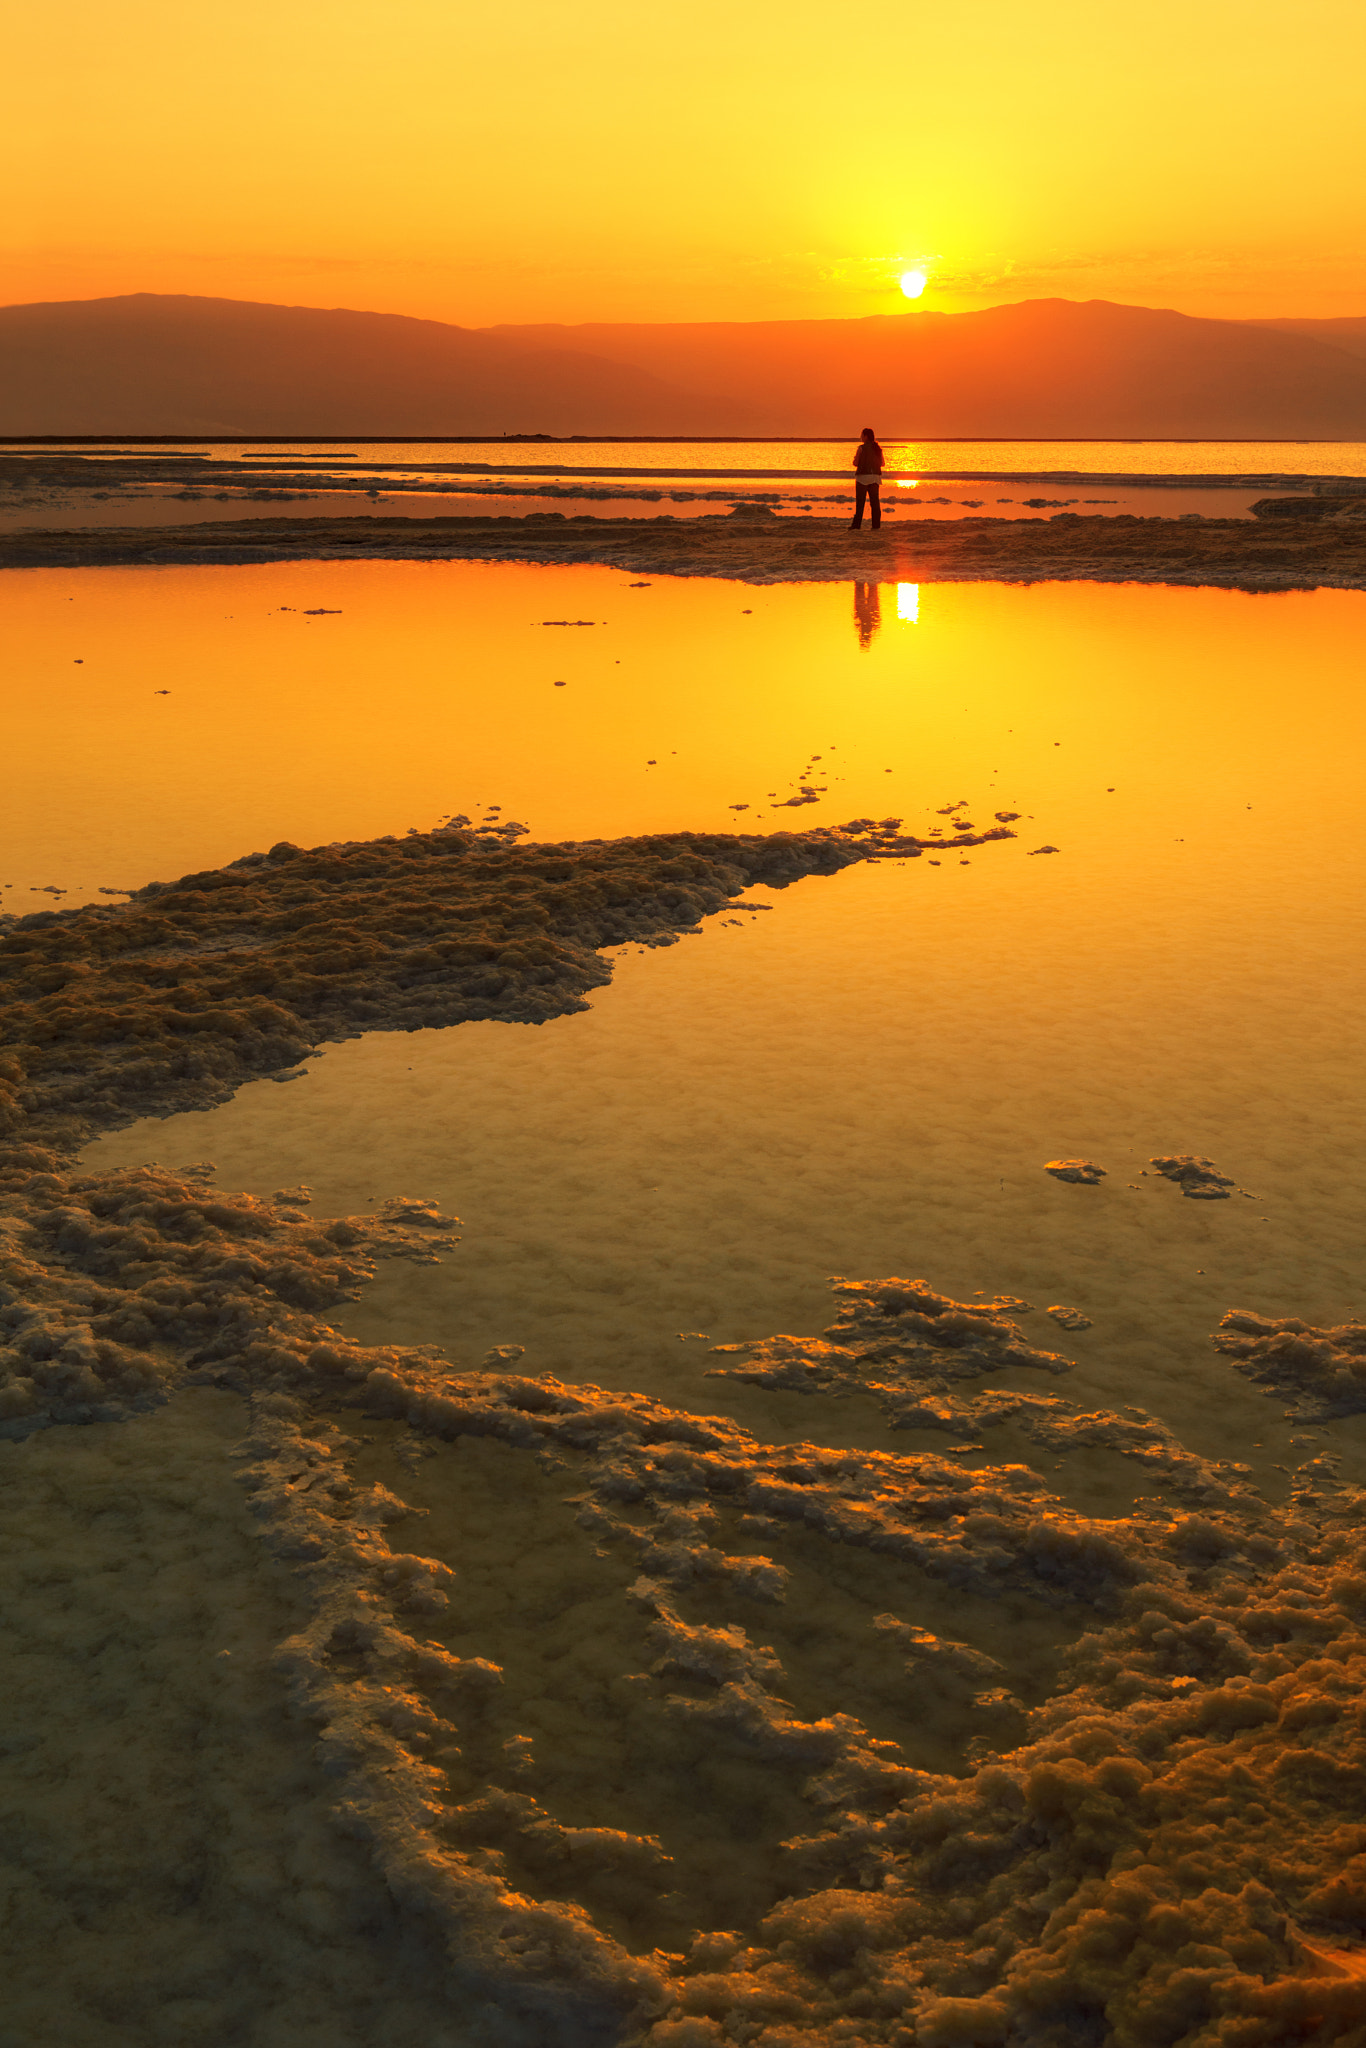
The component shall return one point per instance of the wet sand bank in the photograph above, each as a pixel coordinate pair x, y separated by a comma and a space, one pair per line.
757, 546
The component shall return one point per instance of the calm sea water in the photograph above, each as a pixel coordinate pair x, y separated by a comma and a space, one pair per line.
785, 459
867, 1076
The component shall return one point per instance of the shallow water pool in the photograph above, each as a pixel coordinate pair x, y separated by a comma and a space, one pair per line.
684, 1676
862, 1075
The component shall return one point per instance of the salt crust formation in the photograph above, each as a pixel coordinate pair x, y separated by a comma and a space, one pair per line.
1084, 1172
1167, 1846
917, 1353
1321, 1372
754, 545
172, 1872
172, 1000
1133, 1810
1198, 1178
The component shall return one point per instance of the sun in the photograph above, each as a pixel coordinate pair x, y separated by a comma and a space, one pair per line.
913, 283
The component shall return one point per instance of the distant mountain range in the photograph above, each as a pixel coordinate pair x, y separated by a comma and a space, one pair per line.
1046, 368
1348, 333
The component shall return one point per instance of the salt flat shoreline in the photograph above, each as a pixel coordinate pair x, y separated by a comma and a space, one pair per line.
756, 546
1150, 1721
451, 924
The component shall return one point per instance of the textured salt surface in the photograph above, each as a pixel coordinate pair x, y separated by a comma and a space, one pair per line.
625, 1795
1198, 1178
120, 488
173, 999
650, 1729
1083, 1172
171, 1863
865, 1081
752, 544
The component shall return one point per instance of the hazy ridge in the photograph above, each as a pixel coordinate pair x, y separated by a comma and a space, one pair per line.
154, 364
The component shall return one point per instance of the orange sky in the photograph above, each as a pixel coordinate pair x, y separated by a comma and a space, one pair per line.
688, 159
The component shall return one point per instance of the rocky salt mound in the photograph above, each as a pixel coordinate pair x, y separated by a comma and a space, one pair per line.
1321, 1372
650, 1730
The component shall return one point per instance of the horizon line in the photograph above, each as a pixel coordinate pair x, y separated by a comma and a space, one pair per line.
700, 440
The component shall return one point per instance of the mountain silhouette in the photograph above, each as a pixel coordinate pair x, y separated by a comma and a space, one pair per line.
1048, 368
154, 364
1347, 332
1051, 368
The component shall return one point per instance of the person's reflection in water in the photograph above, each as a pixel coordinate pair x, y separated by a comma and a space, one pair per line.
867, 613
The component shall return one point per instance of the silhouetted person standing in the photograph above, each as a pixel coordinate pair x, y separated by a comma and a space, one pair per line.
867, 481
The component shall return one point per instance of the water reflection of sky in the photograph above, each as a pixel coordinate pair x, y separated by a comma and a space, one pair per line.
316, 701
777, 458
864, 1078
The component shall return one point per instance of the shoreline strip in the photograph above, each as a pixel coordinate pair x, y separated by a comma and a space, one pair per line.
753, 545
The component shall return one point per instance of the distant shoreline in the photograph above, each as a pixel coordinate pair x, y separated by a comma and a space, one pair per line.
755, 546
675, 440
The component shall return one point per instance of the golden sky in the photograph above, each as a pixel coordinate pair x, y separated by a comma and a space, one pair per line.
688, 159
